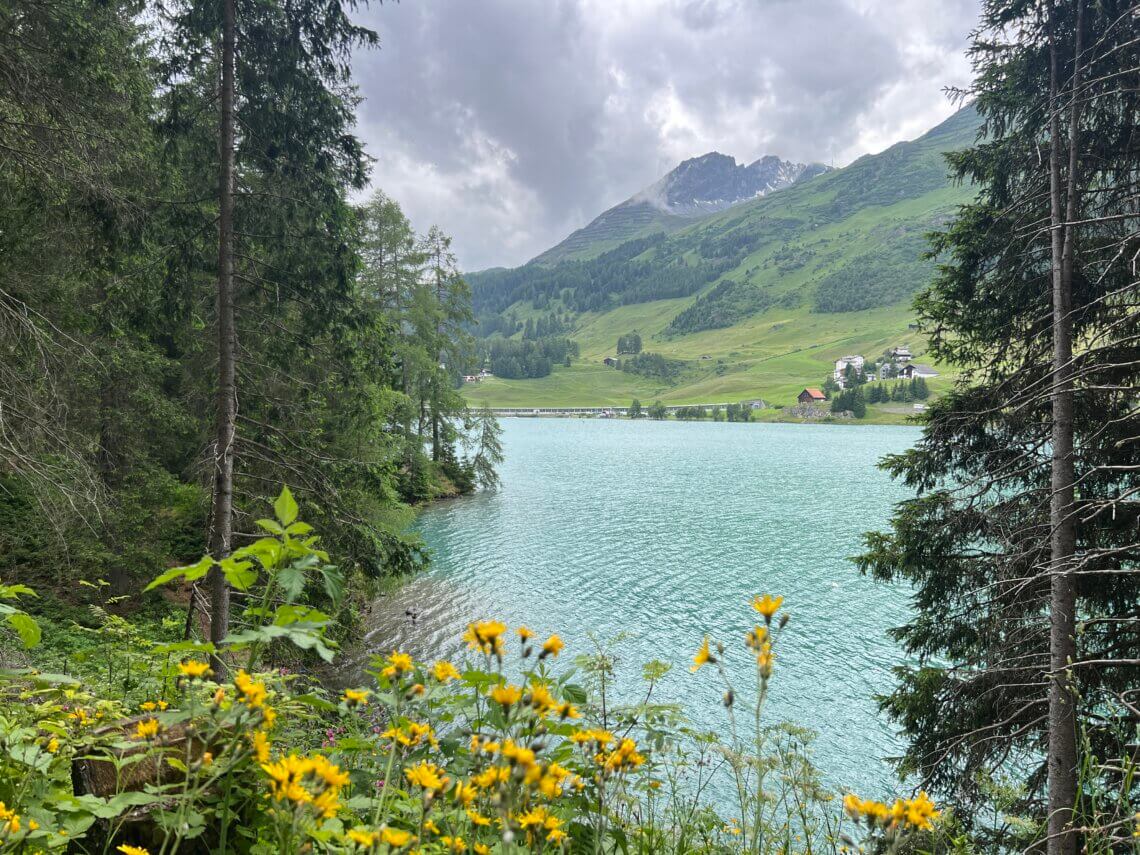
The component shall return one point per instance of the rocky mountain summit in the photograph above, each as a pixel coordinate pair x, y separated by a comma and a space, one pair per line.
715, 181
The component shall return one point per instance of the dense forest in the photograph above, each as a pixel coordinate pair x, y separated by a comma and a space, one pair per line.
328, 359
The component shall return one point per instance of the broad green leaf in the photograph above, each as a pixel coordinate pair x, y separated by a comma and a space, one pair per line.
240, 574
285, 507
299, 528
272, 526
11, 592
190, 573
26, 627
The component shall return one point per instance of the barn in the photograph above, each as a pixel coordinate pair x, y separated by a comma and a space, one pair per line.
811, 396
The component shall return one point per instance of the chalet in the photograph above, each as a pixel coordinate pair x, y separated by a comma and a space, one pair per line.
472, 378
901, 354
811, 396
610, 361
913, 369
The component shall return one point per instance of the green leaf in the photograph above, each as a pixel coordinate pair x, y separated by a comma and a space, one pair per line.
26, 627
12, 592
240, 574
299, 528
190, 573
285, 507
292, 581
334, 582
272, 526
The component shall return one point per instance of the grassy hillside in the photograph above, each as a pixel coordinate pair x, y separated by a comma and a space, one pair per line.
611, 229
798, 279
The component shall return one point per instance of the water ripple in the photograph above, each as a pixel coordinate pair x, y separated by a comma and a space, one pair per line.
664, 530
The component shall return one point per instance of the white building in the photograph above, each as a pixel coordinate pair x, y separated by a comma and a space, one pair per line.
841, 366
901, 354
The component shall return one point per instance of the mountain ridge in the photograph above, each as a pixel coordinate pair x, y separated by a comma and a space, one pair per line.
696, 187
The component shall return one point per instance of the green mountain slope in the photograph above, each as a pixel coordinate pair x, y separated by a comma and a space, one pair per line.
757, 300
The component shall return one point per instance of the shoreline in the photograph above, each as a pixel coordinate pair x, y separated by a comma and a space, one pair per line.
903, 420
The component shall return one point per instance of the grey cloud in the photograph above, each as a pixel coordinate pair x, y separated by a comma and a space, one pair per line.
511, 122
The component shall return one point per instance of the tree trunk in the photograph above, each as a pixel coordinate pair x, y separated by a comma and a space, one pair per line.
221, 515
1062, 760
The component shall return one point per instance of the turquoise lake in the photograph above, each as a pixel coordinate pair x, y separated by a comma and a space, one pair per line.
663, 531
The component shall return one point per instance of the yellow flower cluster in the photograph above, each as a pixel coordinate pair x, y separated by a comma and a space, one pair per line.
624, 757
147, 729
444, 671
398, 665
307, 781
918, 813
251, 692
10, 821
427, 775
355, 697
411, 734
192, 669
540, 820
486, 636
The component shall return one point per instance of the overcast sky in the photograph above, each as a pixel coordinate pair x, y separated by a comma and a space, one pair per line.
510, 123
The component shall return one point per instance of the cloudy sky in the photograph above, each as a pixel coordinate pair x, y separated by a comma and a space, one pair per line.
510, 123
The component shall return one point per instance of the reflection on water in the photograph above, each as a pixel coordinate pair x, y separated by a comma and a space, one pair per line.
663, 531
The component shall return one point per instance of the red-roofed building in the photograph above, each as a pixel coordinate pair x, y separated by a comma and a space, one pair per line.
811, 396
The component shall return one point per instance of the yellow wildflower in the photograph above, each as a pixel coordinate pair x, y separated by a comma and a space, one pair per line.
9, 819
491, 776
362, 837
552, 646
398, 664
524, 634
602, 737
444, 671
477, 818
486, 636
455, 844
127, 849
767, 606
427, 775
396, 837
755, 638
518, 755
53, 745
259, 742
625, 756
535, 816
484, 849
251, 692
506, 694
146, 729
148, 706
703, 656
541, 698
465, 793
764, 660
193, 669
353, 697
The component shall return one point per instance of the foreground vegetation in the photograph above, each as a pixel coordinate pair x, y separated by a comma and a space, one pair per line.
506, 751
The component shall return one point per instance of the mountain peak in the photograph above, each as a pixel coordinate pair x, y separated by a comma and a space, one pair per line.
714, 181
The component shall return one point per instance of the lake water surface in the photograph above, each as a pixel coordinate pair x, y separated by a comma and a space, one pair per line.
664, 531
